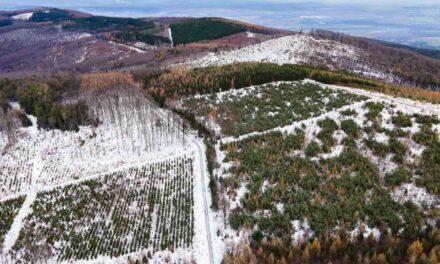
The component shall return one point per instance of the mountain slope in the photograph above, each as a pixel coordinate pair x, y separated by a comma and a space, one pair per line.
298, 49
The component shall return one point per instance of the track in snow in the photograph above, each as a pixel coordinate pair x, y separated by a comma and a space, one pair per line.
205, 201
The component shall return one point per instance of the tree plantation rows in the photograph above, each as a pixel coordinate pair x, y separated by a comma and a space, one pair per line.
172, 84
260, 108
334, 190
148, 207
131, 128
16, 168
8, 210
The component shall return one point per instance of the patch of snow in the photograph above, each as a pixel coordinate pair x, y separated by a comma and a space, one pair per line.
25, 209
294, 49
144, 46
301, 231
76, 36
24, 16
171, 37
250, 34
127, 46
83, 56
417, 195
297, 49
381, 138
366, 232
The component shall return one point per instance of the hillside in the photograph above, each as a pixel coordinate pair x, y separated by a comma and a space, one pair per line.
141, 44
208, 140
432, 53
51, 40
299, 49
409, 64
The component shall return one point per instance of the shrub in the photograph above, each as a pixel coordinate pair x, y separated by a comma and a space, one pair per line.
328, 127
312, 149
398, 176
104, 23
349, 142
5, 22
383, 210
374, 110
295, 141
425, 136
398, 149
135, 36
397, 132
430, 168
350, 128
238, 219
53, 15
426, 119
349, 112
379, 149
401, 120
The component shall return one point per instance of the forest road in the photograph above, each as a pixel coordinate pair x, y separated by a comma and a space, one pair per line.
205, 201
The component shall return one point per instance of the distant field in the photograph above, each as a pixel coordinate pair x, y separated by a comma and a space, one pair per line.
202, 29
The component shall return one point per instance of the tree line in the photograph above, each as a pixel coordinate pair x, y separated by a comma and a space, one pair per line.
168, 86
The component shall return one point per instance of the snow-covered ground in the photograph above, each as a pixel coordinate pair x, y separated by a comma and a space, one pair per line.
24, 16
131, 133
43, 160
402, 193
55, 159
124, 137
138, 50
297, 49
393, 105
294, 49
170, 34
32, 36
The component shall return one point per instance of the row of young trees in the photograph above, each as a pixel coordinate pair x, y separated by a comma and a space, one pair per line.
261, 108
148, 207
336, 195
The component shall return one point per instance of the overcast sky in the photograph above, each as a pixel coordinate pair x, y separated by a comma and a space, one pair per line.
406, 21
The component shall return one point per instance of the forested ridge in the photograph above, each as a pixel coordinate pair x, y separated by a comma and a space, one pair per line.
203, 29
